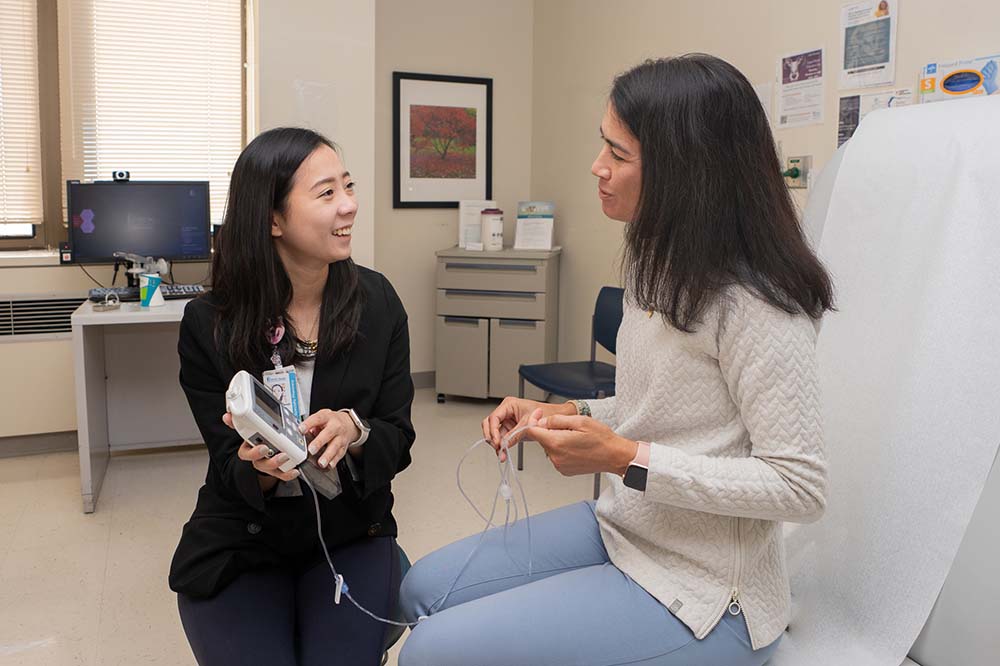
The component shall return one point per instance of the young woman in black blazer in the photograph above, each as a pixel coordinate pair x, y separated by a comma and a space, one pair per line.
252, 583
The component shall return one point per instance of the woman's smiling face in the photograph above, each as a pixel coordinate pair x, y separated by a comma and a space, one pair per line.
315, 225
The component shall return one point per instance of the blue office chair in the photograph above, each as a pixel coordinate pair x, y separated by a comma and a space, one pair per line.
394, 633
581, 380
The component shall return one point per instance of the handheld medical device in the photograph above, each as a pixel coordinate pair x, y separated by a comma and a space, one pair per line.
260, 418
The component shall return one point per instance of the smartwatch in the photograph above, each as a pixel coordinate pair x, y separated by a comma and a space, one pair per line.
638, 470
362, 426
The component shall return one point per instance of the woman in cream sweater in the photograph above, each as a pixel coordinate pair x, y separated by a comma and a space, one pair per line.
713, 438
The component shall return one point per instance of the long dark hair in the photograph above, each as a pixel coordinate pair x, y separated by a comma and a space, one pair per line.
713, 208
250, 286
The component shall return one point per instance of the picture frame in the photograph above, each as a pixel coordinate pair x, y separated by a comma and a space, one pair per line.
442, 135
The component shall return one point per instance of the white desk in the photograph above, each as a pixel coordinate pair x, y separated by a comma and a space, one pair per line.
127, 391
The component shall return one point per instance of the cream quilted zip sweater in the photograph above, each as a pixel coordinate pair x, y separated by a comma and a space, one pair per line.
732, 415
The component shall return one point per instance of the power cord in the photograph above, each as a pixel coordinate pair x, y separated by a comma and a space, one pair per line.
342, 588
91, 277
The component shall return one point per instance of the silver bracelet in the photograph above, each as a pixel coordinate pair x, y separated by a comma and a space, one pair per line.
582, 408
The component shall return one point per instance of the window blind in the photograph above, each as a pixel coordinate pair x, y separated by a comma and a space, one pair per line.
153, 88
20, 143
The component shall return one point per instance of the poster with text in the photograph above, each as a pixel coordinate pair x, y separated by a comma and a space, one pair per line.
800, 94
868, 30
854, 108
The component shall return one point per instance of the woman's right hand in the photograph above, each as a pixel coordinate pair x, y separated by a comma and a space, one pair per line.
513, 413
257, 456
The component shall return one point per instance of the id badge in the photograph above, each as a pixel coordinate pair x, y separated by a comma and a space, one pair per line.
285, 387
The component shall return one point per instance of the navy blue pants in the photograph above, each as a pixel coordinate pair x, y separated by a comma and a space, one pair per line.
288, 618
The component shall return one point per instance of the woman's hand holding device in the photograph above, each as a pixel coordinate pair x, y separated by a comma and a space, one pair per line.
272, 443
263, 459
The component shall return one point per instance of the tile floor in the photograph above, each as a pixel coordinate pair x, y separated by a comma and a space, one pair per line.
91, 590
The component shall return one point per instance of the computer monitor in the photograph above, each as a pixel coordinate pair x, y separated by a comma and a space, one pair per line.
168, 219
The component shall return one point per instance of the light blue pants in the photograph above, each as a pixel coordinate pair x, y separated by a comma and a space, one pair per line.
577, 609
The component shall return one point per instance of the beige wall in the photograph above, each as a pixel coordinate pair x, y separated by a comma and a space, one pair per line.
579, 45
315, 62
465, 38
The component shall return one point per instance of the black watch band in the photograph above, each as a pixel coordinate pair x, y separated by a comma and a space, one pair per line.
635, 477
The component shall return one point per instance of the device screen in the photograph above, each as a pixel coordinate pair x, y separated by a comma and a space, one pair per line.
267, 406
157, 219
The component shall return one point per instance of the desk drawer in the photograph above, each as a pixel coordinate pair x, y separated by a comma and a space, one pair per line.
492, 275
503, 304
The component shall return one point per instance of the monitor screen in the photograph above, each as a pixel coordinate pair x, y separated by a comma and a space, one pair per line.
156, 219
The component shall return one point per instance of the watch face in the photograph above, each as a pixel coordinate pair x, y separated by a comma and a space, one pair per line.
635, 477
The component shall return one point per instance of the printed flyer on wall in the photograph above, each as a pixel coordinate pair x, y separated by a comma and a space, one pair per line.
854, 108
869, 39
800, 96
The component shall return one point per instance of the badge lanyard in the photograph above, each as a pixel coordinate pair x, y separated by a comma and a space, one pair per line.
282, 381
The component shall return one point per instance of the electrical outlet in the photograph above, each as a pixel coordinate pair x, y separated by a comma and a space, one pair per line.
796, 172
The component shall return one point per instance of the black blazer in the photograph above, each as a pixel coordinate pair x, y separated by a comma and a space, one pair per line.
234, 527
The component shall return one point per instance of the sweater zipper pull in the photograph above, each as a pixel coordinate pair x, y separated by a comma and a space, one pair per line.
734, 603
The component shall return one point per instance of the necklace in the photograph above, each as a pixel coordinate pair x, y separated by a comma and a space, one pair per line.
306, 348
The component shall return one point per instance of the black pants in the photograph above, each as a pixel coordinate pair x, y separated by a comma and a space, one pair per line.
284, 618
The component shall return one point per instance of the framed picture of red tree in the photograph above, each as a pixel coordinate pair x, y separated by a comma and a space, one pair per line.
442, 130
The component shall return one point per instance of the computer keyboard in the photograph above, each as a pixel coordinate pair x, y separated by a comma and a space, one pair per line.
128, 294
171, 291
124, 294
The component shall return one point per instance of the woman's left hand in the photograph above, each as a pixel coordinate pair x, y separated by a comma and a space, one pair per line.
582, 445
331, 433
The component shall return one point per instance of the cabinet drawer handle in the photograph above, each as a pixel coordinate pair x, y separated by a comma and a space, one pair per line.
462, 320
486, 293
521, 323
492, 267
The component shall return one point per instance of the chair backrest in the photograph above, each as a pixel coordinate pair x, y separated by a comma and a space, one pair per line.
607, 319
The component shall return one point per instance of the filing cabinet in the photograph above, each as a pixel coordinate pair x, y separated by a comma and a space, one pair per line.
495, 312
